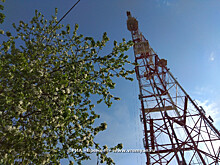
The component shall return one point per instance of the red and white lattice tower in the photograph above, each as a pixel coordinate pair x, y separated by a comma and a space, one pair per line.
176, 129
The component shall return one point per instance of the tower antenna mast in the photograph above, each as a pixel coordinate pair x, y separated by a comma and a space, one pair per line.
176, 129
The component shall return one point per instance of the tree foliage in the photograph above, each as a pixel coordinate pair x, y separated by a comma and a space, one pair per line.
48, 75
2, 16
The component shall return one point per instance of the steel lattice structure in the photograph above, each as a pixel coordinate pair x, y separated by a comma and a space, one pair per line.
176, 129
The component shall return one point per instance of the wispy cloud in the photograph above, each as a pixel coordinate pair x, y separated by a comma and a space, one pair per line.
161, 3
212, 56
211, 108
203, 90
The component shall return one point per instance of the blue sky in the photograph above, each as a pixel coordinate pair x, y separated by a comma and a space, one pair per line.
185, 32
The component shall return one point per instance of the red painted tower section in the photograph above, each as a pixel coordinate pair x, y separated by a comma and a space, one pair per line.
176, 129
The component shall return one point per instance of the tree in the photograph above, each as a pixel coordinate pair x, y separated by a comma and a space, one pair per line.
48, 76
2, 16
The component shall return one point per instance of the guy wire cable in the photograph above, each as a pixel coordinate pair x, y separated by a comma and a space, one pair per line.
66, 14
63, 17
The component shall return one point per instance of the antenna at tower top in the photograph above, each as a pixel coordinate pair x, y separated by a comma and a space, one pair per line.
132, 23
128, 13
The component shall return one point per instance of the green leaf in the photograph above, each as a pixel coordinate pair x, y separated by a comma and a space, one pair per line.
8, 34
99, 101
1, 7
1, 31
2, 17
117, 98
120, 146
56, 11
129, 78
68, 28
63, 32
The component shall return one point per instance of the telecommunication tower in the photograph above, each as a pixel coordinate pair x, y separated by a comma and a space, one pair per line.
176, 129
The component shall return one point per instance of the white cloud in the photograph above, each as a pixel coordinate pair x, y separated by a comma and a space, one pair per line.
212, 56
161, 3
203, 90
167, 3
211, 108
